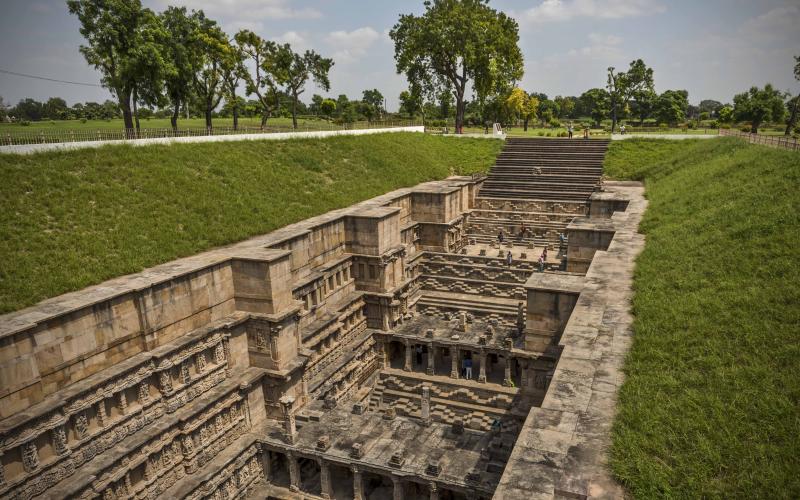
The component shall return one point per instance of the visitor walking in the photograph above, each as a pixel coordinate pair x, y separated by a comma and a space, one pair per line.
509, 259
500, 236
586, 132
541, 263
468, 368
622, 129
569, 130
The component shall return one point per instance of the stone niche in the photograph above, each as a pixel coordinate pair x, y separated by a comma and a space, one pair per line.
551, 299
439, 204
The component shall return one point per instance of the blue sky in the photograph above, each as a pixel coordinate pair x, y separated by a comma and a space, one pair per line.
712, 48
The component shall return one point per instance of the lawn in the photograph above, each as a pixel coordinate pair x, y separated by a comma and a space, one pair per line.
711, 404
72, 219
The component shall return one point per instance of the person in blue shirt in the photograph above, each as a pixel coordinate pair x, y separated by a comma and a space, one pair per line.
468, 368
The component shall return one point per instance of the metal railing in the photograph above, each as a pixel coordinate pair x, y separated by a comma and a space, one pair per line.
86, 135
775, 141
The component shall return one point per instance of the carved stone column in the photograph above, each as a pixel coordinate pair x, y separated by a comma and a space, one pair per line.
122, 402
266, 463
289, 429
2, 472
325, 479
507, 380
294, 472
358, 484
382, 359
200, 361
434, 491
60, 440
226, 349
482, 368
219, 354
425, 405
186, 377
454, 362
408, 366
523, 374
398, 492
431, 361
102, 418
144, 392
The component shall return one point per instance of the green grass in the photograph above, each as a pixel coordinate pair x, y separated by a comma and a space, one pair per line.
711, 403
72, 219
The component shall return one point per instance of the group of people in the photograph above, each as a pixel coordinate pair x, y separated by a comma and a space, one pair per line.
571, 131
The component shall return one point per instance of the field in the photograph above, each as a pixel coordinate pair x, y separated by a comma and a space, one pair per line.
72, 219
711, 403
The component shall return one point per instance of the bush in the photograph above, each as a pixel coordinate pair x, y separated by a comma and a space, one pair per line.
713, 124
563, 134
555, 123
663, 125
25, 123
691, 125
83, 120
745, 129
725, 126
540, 133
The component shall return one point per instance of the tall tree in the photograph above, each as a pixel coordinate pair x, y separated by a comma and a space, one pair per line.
794, 102
119, 45
294, 70
211, 47
411, 102
643, 103
456, 42
233, 71
374, 98
179, 50
595, 103
262, 82
758, 106
622, 86
671, 106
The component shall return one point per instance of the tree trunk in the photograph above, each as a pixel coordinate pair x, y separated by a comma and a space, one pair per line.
263, 119
294, 111
754, 126
136, 110
208, 116
127, 115
235, 116
525, 125
613, 115
792, 117
173, 120
460, 113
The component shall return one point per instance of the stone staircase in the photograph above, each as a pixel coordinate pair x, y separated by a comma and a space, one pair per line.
546, 169
444, 304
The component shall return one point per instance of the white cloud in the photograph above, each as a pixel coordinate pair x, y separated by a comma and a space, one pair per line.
564, 10
349, 46
298, 41
778, 24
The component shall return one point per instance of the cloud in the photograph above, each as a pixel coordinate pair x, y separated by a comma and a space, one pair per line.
251, 10
778, 24
349, 46
298, 42
564, 10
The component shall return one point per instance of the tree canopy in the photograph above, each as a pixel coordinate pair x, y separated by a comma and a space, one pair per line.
759, 105
455, 43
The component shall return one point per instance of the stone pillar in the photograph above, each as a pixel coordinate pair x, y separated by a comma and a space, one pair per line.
431, 361
434, 491
382, 359
102, 419
186, 377
122, 402
289, 429
325, 479
266, 463
408, 366
482, 369
523, 374
398, 491
294, 472
454, 362
2, 472
358, 484
144, 392
425, 405
507, 380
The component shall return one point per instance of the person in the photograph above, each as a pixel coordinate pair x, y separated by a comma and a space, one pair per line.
586, 132
622, 129
496, 426
500, 236
468, 368
562, 240
541, 263
544, 254
418, 350
509, 259
569, 130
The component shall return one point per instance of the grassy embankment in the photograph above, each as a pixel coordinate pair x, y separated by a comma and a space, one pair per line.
711, 404
72, 219
158, 123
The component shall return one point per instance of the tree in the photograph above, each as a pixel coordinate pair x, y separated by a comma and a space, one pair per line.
55, 108
671, 106
623, 86
726, 114
566, 106
643, 103
456, 42
710, 106
29, 109
374, 99
294, 70
758, 106
522, 106
327, 107
120, 45
178, 49
211, 48
263, 55
595, 103
411, 102
232, 70
794, 102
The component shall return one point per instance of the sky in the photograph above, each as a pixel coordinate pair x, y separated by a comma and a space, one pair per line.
712, 48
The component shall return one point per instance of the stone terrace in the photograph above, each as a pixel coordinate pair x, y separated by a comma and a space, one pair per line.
390, 349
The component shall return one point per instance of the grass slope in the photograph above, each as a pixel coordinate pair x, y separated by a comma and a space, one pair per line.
710, 406
72, 219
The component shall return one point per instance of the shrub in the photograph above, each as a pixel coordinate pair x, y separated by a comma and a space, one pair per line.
745, 129
25, 123
714, 124
83, 120
540, 133
691, 125
563, 134
725, 126
663, 125
555, 123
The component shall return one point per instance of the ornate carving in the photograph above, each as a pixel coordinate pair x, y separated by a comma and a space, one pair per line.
219, 354
2, 475
261, 338
186, 377
144, 391
60, 440
30, 456
165, 381
188, 445
122, 402
200, 359
81, 424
